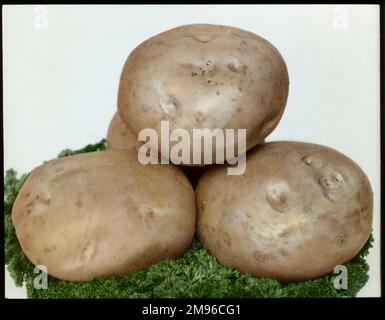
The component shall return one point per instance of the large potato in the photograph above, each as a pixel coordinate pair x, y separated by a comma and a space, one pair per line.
103, 213
120, 137
204, 76
298, 211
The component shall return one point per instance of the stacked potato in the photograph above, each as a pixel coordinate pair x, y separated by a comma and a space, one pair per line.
298, 211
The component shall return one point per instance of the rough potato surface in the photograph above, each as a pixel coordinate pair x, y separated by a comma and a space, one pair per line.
298, 211
103, 213
204, 76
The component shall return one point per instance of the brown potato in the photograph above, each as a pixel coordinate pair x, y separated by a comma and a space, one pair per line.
103, 213
204, 76
299, 210
119, 136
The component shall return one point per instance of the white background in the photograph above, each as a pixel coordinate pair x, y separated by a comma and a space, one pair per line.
60, 83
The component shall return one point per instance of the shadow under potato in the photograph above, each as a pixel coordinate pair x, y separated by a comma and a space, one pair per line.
194, 173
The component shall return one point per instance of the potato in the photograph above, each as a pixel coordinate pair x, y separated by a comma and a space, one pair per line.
204, 76
103, 213
119, 136
299, 210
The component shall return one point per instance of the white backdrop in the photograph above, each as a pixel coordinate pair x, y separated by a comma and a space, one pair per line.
61, 67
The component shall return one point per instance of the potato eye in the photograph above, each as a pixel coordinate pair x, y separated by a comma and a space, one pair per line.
280, 196
332, 180
313, 161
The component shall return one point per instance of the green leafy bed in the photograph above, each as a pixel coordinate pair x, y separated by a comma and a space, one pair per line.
195, 274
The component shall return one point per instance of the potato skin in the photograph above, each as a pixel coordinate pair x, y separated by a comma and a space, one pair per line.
120, 137
103, 213
298, 211
204, 76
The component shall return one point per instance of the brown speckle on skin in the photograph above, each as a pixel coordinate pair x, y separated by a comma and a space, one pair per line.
45, 201
79, 203
266, 72
364, 213
284, 253
225, 238
49, 249
261, 257
210, 83
340, 240
232, 67
286, 233
199, 116
30, 204
146, 108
